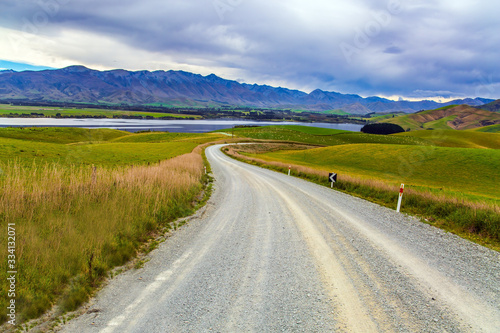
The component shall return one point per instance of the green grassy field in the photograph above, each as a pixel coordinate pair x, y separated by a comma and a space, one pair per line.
337, 112
61, 134
439, 124
157, 137
489, 129
320, 136
453, 138
469, 173
457, 163
451, 177
75, 222
6, 110
376, 118
94, 146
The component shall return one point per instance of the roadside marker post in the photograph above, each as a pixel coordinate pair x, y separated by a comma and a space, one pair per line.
332, 177
289, 167
205, 169
401, 189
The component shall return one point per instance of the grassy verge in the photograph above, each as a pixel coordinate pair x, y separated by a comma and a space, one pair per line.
75, 222
479, 222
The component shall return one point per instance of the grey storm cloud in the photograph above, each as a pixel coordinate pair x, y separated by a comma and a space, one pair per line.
377, 47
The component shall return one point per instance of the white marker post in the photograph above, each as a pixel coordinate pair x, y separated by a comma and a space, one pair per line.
400, 197
205, 169
289, 167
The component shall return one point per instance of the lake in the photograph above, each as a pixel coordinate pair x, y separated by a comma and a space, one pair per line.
135, 125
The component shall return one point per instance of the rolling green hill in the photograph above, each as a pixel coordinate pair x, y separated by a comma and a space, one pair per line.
157, 137
60, 134
451, 117
493, 106
468, 171
321, 136
451, 177
489, 129
434, 160
94, 146
453, 138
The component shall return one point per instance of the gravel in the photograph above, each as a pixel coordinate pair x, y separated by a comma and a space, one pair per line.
273, 253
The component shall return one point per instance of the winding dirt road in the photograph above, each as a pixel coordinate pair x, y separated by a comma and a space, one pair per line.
274, 253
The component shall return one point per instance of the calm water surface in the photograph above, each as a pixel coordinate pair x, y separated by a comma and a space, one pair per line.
134, 125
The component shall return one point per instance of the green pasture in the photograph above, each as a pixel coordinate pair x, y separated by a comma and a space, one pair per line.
93, 146
454, 138
376, 118
440, 123
157, 137
77, 224
458, 163
60, 134
106, 154
471, 173
321, 136
6, 110
488, 129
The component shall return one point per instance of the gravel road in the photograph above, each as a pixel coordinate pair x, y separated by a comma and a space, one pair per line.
274, 253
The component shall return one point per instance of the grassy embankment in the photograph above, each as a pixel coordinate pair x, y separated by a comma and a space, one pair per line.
75, 222
451, 177
11, 110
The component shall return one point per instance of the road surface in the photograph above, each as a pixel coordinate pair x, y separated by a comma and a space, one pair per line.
273, 253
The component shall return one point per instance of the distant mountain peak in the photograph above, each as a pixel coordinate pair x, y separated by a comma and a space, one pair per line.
75, 69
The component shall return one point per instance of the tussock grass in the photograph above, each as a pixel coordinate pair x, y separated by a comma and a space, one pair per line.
74, 223
478, 221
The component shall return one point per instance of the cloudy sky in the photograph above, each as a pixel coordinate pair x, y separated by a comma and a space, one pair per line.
391, 48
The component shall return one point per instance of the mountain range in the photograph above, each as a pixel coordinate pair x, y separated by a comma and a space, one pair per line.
178, 88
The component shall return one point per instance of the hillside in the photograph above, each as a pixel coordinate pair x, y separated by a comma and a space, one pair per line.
452, 117
177, 88
493, 106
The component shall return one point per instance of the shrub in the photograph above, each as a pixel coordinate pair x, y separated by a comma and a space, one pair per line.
382, 128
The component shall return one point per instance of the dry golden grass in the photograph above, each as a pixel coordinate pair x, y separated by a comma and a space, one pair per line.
74, 223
